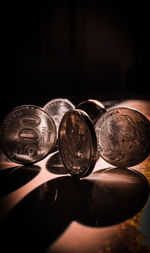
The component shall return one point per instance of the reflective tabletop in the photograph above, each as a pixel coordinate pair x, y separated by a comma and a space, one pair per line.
44, 209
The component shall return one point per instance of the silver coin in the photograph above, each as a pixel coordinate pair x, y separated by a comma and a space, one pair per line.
27, 134
56, 108
77, 143
123, 137
93, 108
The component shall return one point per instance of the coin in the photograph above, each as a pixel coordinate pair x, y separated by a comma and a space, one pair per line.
56, 108
77, 143
27, 134
93, 108
123, 136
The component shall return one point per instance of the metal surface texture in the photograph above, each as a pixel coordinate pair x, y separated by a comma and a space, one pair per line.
93, 108
56, 108
27, 134
123, 136
77, 143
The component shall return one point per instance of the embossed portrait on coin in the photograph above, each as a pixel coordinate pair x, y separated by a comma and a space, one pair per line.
123, 136
120, 135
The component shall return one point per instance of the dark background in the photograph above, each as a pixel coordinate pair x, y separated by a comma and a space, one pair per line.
73, 49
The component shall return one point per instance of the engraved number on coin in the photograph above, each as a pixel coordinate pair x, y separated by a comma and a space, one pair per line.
26, 120
28, 136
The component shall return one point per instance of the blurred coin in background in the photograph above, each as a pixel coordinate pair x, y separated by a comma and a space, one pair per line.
93, 108
56, 108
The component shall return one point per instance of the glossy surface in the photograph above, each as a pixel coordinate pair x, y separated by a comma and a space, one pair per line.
107, 198
123, 136
77, 143
27, 134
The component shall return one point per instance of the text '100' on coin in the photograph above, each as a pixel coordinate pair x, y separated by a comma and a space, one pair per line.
77, 143
27, 134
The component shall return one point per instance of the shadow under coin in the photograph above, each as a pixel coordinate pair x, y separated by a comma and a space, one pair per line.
41, 216
116, 194
106, 198
13, 178
55, 165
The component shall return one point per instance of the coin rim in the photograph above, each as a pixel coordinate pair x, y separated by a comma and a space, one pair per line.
99, 106
8, 115
144, 118
97, 102
91, 130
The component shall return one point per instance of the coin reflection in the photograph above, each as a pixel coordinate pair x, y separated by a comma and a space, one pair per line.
105, 198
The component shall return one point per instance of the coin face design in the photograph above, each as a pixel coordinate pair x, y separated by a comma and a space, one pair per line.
56, 108
123, 137
27, 134
77, 143
93, 108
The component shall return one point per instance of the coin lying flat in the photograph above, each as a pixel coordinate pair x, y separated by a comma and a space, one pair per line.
123, 136
56, 108
93, 108
77, 143
27, 134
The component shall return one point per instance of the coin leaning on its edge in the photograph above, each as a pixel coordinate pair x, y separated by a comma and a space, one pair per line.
93, 108
56, 108
27, 134
77, 143
123, 137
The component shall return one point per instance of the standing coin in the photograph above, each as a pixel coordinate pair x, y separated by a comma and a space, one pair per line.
93, 108
123, 137
56, 108
77, 143
27, 134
